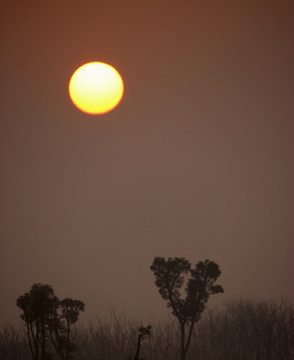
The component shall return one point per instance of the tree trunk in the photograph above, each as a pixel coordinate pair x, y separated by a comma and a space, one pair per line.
67, 339
183, 354
37, 339
43, 341
190, 335
34, 354
138, 347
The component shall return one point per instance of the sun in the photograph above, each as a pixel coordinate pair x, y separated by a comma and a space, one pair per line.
96, 88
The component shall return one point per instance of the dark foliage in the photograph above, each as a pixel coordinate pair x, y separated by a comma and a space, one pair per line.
48, 322
170, 277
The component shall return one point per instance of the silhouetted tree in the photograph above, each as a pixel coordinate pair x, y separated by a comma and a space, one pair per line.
48, 318
170, 277
38, 306
144, 332
60, 326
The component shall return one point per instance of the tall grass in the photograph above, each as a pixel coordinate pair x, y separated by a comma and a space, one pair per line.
13, 344
241, 330
262, 330
116, 338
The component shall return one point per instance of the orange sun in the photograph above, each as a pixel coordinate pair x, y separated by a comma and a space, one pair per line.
96, 88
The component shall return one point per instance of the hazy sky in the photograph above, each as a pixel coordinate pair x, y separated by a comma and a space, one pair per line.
196, 161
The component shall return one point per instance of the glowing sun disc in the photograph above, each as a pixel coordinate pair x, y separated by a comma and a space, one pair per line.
96, 88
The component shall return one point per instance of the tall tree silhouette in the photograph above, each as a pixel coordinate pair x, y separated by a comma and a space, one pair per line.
48, 321
38, 306
170, 276
60, 326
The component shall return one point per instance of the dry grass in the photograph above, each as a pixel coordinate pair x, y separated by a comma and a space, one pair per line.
243, 330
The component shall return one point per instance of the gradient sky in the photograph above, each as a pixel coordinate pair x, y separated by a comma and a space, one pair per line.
196, 161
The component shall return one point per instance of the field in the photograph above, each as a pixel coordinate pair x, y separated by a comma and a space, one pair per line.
240, 330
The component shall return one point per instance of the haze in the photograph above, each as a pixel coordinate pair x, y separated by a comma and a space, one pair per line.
196, 160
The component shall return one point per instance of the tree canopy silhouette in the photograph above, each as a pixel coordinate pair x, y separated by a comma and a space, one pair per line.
170, 276
49, 319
